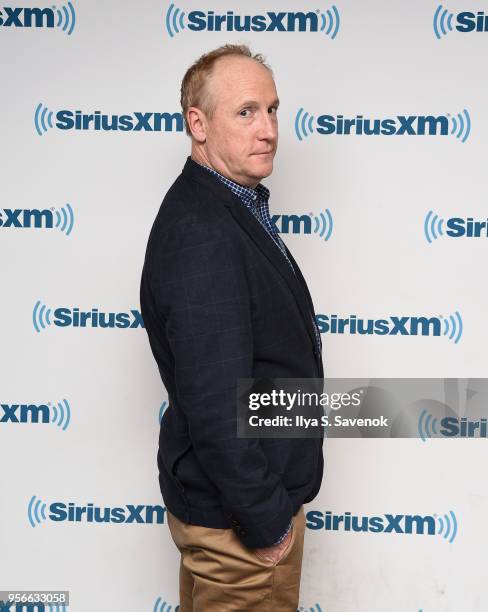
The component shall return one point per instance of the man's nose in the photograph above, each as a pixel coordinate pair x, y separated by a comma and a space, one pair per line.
268, 127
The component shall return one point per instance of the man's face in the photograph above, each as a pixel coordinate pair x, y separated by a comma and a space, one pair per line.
242, 135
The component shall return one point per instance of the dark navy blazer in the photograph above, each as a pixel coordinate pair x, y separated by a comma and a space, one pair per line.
219, 303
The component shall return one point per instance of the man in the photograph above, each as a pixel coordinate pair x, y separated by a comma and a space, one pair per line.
222, 298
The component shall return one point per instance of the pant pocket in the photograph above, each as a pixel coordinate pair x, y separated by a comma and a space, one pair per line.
291, 543
287, 550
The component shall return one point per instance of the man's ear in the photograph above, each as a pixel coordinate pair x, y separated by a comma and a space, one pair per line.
197, 122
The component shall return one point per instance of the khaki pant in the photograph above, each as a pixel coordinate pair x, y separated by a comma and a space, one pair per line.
219, 574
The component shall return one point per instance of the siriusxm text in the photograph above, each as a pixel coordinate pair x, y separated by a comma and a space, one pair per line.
26, 217
392, 326
268, 22
458, 227
20, 17
24, 413
60, 511
470, 22
387, 523
74, 317
136, 122
401, 125
454, 427
292, 224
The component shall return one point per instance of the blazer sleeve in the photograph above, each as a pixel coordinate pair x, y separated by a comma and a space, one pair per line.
201, 292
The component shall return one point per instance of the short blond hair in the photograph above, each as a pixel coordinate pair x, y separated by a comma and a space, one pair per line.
194, 91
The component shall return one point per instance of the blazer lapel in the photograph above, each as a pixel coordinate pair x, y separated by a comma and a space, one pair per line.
310, 302
261, 238
301, 279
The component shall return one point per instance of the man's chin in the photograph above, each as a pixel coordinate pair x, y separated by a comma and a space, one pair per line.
262, 167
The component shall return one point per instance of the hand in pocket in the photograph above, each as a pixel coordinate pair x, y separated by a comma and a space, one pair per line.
274, 554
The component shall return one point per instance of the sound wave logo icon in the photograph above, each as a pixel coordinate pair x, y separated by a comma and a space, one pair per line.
442, 22
65, 219
41, 316
43, 119
323, 224
331, 22
61, 414
163, 606
162, 410
447, 526
427, 425
66, 18
174, 20
461, 125
433, 227
36, 511
303, 124
453, 326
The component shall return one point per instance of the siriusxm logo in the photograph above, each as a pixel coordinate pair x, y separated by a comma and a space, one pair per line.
11, 606
48, 218
458, 125
327, 23
321, 224
450, 427
455, 227
21, 17
42, 317
450, 326
52, 413
466, 21
445, 526
162, 410
98, 121
58, 512
162, 606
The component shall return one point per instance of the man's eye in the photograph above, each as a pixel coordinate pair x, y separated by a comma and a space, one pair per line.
245, 112
273, 109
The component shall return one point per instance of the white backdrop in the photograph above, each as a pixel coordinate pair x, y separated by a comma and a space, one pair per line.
98, 389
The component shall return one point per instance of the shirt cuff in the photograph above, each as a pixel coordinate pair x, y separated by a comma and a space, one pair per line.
283, 536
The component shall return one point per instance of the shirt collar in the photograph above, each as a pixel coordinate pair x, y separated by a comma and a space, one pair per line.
250, 196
